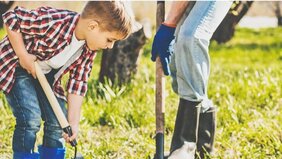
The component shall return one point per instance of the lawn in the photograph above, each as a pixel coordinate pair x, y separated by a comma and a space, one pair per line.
245, 85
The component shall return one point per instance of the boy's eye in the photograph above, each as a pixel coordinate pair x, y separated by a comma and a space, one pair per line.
108, 40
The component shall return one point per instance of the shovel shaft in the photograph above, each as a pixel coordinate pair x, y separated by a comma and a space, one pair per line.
53, 102
160, 85
51, 97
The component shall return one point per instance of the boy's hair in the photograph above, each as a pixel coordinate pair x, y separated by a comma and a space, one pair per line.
110, 15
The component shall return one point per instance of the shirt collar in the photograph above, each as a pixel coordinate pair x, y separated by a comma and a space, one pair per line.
68, 36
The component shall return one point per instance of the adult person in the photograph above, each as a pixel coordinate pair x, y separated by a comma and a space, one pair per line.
183, 41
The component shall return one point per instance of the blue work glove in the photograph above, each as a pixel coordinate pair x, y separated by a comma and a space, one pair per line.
162, 46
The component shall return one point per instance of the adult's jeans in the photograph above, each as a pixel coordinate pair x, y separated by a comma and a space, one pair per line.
29, 104
190, 66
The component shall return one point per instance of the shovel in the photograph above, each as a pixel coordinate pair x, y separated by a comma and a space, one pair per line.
160, 86
56, 107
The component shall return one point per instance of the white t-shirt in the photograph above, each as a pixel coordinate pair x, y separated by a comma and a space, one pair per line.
61, 58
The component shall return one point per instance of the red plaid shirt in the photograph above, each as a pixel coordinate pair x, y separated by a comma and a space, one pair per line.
46, 32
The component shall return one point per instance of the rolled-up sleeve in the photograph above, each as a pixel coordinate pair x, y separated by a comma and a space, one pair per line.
77, 83
33, 22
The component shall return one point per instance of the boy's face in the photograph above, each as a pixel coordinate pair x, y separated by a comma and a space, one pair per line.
97, 39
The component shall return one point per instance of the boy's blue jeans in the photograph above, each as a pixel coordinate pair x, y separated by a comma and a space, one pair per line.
29, 104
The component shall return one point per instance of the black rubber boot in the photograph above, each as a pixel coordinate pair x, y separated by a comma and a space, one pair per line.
186, 124
206, 133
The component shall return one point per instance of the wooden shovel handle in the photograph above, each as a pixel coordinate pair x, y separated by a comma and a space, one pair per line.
54, 102
51, 97
160, 78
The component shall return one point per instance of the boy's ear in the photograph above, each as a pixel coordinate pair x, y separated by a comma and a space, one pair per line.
92, 25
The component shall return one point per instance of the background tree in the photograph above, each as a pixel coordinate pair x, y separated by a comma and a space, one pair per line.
4, 6
120, 63
277, 9
226, 29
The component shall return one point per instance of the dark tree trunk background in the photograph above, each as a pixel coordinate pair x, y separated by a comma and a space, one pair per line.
120, 63
226, 29
4, 6
278, 12
279, 21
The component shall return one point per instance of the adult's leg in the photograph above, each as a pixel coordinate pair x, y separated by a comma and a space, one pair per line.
193, 63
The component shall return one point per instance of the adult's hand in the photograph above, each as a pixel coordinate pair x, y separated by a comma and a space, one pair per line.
162, 46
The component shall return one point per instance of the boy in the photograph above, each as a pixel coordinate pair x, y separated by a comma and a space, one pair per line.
60, 41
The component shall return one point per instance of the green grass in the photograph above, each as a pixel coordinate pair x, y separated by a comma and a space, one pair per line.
245, 85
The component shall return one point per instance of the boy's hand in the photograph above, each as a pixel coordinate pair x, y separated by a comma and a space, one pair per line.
74, 128
27, 62
161, 46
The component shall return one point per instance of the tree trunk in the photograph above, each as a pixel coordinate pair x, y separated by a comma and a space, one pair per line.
278, 13
226, 29
120, 63
4, 6
279, 21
